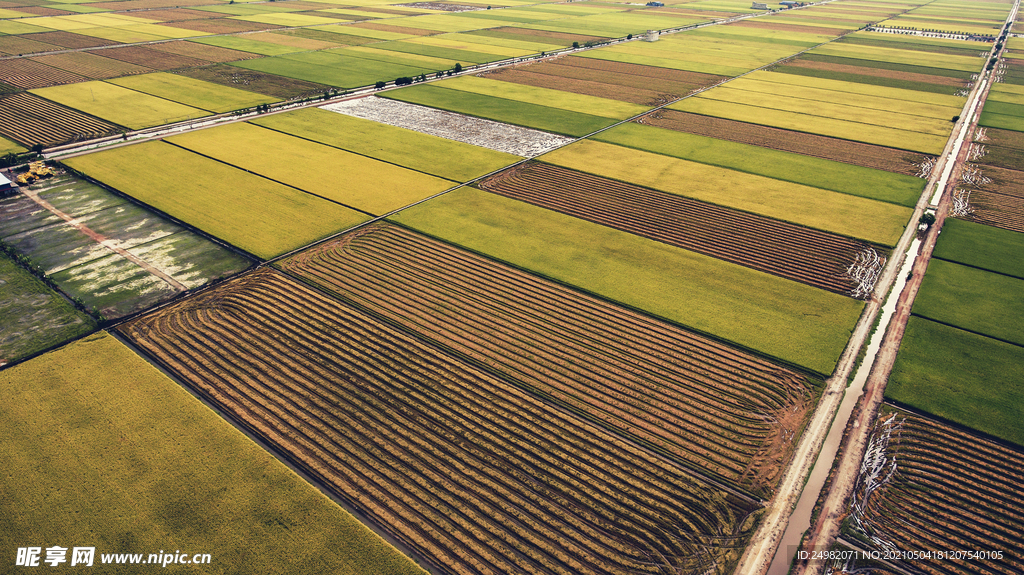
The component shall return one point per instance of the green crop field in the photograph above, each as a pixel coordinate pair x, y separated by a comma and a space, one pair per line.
7, 147
102, 450
403, 58
353, 180
454, 54
981, 246
192, 92
784, 319
247, 45
843, 214
119, 105
1002, 121
528, 46
909, 102
262, 217
832, 110
545, 97
469, 44
826, 126
977, 300
501, 110
441, 157
963, 377
32, 316
343, 71
796, 168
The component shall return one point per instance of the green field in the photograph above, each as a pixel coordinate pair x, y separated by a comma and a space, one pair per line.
970, 379
7, 147
796, 168
102, 450
501, 110
414, 150
973, 299
353, 180
192, 92
839, 213
119, 105
248, 45
558, 99
781, 318
32, 316
332, 69
982, 246
446, 53
826, 126
262, 217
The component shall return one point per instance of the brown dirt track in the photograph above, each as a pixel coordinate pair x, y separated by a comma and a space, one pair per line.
718, 409
33, 120
953, 490
474, 474
867, 155
794, 252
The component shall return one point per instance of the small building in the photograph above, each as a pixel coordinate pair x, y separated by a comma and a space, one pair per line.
5, 184
651, 36
655, 4
758, 6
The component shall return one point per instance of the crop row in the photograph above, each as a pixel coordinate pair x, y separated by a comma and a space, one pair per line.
33, 120
476, 475
810, 256
698, 400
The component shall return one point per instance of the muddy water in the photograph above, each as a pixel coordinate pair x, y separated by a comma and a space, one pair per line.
800, 520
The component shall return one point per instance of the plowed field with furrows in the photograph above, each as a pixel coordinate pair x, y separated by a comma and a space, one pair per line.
33, 120
1000, 210
794, 252
469, 471
25, 73
720, 410
952, 490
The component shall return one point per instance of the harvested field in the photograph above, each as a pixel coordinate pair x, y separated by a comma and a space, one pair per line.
856, 153
43, 11
202, 51
522, 75
91, 65
155, 59
531, 35
713, 408
680, 76
26, 73
147, 4
877, 72
222, 26
177, 15
259, 82
397, 29
999, 210
18, 45
779, 26
70, 40
324, 35
474, 474
951, 490
809, 256
32, 120
479, 132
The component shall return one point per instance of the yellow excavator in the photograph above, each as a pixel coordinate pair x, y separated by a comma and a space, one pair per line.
36, 171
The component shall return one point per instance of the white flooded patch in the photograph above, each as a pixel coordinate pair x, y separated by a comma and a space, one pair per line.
459, 127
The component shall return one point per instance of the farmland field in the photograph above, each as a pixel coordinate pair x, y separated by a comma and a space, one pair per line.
856, 153
463, 467
414, 150
349, 179
90, 65
105, 451
981, 246
268, 84
332, 69
697, 291
781, 249
847, 215
780, 165
24, 73
952, 489
192, 92
33, 316
261, 217
962, 377
119, 105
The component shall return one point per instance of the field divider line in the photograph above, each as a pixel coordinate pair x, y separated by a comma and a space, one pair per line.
104, 241
971, 331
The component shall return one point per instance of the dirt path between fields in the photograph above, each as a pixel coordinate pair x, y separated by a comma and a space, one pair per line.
103, 240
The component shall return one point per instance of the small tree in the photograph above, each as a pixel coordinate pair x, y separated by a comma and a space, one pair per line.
955, 119
576, 45
380, 85
629, 36
458, 67
927, 219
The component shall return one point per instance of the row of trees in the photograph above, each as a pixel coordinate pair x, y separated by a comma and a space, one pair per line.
406, 80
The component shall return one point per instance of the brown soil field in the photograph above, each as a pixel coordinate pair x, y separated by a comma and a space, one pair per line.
69, 40
32, 120
27, 74
149, 4
396, 29
794, 252
155, 59
867, 155
711, 407
782, 27
680, 76
324, 35
43, 11
529, 33
1004, 138
268, 84
523, 75
91, 65
221, 26
469, 471
952, 490
203, 52
877, 72
999, 210
18, 45
179, 14
1004, 181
